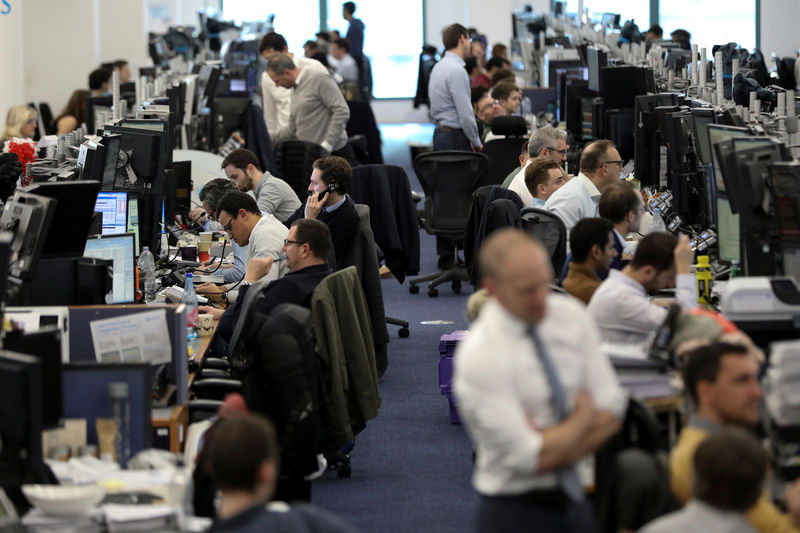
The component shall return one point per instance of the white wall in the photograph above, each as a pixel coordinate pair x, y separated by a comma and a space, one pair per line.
779, 28
12, 85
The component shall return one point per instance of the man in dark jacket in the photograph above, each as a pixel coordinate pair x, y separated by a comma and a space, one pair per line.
329, 202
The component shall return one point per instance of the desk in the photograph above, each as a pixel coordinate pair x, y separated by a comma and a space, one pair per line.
176, 419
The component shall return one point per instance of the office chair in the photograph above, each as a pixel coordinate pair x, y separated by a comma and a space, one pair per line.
362, 122
448, 178
200, 410
503, 154
215, 388
46, 116
550, 231
295, 162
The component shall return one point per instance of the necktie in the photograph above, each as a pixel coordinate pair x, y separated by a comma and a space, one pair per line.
567, 476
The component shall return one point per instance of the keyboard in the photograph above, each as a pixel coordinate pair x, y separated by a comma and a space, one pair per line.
208, 278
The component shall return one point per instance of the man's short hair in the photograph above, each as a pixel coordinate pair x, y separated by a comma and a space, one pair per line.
502, 74
703, 364
311, 44
538, 173
343, 44
477, 92
498, 49
233, 201
497, 62
98, 77
656, 29
594, 155
524, 149
213, 191
119, 63
656, 250
585, 234
336, 169
729, 470
314, 233
681, 36
350, 7
546, 137
617, 200
241, 158
504, 90
274, 41
452, 35
280, 63
240, 444
325, 36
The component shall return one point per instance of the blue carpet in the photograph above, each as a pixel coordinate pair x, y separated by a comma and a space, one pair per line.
411, 467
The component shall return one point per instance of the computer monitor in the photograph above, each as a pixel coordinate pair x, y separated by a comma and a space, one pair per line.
718, 133
95, 107
114, 208
143, 154
120, 249
595, 60
619, 86
148, 124
749, 172
785, 185
29, 217
701, 118
728, 232
72, 217
207, 81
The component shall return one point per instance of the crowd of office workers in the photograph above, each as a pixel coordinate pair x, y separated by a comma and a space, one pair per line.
535, 391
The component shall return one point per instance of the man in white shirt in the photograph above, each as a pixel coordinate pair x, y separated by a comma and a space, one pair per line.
620, 306
600, 167
545, 143
277, 99
623, 206
346, 66
543, 177
534, 391
273, 195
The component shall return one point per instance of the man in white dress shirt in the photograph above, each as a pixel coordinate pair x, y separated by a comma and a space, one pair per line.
600, 167
620, 306
535, 393
545, 143
346, 66
277, 99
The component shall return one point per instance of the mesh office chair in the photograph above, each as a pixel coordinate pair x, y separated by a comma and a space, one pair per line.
503, 154
448, 178
550, 230
295, 161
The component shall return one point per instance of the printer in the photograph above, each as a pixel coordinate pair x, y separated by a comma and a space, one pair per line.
762, 303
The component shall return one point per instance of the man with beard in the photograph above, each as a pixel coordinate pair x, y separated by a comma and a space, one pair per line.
273, 195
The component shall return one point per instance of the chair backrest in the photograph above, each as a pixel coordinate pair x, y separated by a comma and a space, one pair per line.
295, 162
510, 126
47, 118
449, 178
503, 157
550, 230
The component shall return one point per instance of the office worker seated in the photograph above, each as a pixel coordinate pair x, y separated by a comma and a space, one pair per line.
20, 122
262, 234
244, 457
486, 110
620, 306
329, 202
543, 177
73, 114
210, 195
509, 96
723, 382
592, 244
306, 248
273, 195
535, 393
623, 206
100, 82
545, 143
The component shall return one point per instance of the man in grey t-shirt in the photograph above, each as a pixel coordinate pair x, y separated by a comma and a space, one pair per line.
273, 195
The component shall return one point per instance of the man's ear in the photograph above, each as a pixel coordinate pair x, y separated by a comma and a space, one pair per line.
596, 251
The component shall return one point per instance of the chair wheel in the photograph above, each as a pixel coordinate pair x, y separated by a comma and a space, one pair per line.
433, 292
413, 289
456, 285
404, 333
343, 471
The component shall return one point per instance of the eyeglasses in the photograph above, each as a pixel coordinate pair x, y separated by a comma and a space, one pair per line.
487, 105
562, 152
227, 227
620, 163
287, 242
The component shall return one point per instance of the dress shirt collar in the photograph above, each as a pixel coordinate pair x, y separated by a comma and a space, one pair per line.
538, 203
455, 57
337, 205
620, 237
589, 186
619, 277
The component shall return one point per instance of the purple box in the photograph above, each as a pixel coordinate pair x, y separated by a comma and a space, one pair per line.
447, 348
448, 341
454, 418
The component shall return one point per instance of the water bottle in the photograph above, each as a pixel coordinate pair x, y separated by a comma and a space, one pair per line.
656, 223
147, 266
736, 269
189, 298
121, 415
704, 279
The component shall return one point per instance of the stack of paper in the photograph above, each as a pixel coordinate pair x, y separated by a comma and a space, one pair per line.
124, 518
38, 522
782, 383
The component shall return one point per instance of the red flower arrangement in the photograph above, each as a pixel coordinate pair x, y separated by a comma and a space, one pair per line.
26, 152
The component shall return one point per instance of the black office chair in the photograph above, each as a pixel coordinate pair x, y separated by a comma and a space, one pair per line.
295, 162
448, 178
46, 116
503, 154
215, 388
550, 230
200, 410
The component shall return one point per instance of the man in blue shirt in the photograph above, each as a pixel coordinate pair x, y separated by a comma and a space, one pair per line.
355, 32
449, 94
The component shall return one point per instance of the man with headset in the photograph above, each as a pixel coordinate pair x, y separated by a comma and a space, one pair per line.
329, 202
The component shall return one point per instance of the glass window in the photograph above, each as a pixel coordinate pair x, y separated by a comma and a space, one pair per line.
392, 41
638, 10
737, 19
289, 22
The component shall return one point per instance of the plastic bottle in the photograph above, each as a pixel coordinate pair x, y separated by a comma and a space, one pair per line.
656, 223
736, 269
189, 298
121, 415
147, 264
704, 277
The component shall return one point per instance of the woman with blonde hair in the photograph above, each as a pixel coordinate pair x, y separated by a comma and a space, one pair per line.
20, 122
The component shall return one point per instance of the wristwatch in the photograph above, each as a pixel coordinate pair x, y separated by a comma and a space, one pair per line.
246, 283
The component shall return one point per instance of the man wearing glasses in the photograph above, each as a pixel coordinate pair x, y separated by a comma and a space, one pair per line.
545, 143
306, 249
600, 167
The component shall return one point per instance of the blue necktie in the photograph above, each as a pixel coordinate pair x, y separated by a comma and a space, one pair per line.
568, 478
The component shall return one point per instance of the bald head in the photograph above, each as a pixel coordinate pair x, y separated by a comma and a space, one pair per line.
517, 273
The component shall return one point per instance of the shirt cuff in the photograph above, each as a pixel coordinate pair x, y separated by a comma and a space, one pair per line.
327, 146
